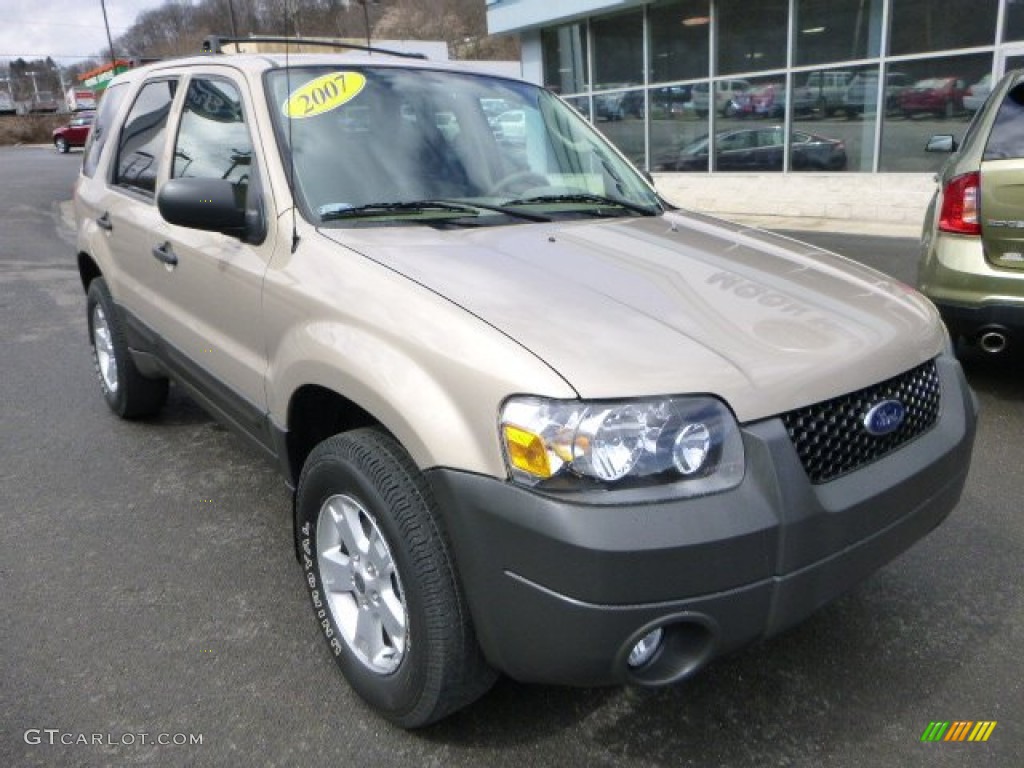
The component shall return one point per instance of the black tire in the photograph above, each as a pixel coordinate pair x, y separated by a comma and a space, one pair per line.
61, 145
128, 393
440, 667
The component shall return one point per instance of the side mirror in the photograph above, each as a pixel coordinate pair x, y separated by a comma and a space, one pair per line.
212, 205
941, 143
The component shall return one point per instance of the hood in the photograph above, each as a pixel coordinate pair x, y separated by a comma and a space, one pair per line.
671, 305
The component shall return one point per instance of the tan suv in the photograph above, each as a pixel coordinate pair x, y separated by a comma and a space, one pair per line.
537, 421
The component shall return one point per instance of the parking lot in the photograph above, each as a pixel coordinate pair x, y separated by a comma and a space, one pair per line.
150, 587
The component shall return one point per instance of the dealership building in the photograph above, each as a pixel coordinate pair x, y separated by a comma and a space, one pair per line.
781, 107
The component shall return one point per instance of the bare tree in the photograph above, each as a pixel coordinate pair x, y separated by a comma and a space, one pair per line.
179, 26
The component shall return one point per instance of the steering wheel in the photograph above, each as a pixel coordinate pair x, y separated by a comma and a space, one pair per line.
518, 181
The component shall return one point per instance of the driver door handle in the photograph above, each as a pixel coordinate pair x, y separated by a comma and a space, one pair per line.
166, 254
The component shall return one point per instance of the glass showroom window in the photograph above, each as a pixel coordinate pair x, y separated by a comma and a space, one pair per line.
1013, 25
918, 26
748, 133
620, 117
751, 36
680, 37
618, 50
837, 30
581, 104
564, 52
834, 114
932, 103
675, 126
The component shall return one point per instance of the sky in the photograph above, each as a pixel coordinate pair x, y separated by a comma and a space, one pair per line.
67, 30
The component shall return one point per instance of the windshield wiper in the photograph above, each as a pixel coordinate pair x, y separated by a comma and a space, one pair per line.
586, 197
501, 209
343, 211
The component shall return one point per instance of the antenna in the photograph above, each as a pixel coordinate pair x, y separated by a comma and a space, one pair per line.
289, 13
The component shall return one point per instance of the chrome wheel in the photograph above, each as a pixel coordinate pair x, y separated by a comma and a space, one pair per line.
363, 591
103, 344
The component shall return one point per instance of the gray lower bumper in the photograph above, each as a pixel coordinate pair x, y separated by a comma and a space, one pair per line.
561, 588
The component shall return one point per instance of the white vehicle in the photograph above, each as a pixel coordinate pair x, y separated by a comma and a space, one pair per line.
725, 92
975, 95
78, 99
828, 90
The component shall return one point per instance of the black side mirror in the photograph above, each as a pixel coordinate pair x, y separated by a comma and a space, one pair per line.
213, 205
941, 143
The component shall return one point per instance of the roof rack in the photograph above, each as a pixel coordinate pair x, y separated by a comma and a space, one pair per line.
217, 43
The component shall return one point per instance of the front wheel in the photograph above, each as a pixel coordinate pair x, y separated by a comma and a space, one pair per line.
128, 393
61, 145
382, 581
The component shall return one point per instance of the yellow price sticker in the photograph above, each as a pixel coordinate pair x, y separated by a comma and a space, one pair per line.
323, 94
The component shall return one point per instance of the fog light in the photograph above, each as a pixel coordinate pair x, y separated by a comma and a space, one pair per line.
644, 650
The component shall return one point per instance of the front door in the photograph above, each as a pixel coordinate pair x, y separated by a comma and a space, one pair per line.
216, 336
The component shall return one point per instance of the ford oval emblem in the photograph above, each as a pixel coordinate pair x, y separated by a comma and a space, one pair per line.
884, 417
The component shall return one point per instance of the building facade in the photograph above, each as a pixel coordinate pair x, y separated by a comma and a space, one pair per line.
786, 86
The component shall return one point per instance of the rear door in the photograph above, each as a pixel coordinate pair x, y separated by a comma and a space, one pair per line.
1002, 184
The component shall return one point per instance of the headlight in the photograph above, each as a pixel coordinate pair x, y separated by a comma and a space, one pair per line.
563, 444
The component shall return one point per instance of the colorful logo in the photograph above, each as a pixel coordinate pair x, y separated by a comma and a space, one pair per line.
958, 730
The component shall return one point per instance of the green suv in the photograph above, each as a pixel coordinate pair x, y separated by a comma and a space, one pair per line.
972, 257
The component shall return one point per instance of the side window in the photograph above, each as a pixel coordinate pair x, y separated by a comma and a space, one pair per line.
213, 141
1006, 140
142, 138
109, 104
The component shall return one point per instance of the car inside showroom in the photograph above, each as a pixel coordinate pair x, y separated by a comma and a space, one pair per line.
798, 86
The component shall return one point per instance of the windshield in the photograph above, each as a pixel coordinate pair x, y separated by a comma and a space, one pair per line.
373, 137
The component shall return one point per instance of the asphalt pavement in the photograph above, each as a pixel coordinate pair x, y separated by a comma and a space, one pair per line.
154, 614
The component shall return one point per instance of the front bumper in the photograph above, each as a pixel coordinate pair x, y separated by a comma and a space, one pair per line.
561, 588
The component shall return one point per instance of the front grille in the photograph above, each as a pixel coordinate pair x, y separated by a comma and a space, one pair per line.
831, 439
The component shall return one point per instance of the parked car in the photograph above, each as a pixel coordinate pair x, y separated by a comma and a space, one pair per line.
772, 100
44, 101
511, 126
536, 420
976, 94
725, 92
828, 88
972, 255
941, 96
761, 149
7, 105
862, 93
73, 133
618, 106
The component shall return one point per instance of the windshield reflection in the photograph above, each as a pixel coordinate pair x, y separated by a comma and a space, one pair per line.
365, 137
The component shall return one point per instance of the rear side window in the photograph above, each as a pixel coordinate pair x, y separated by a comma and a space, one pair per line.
142, 138
109, 104
1006, 141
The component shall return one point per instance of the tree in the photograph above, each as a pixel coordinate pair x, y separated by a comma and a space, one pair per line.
178, 27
